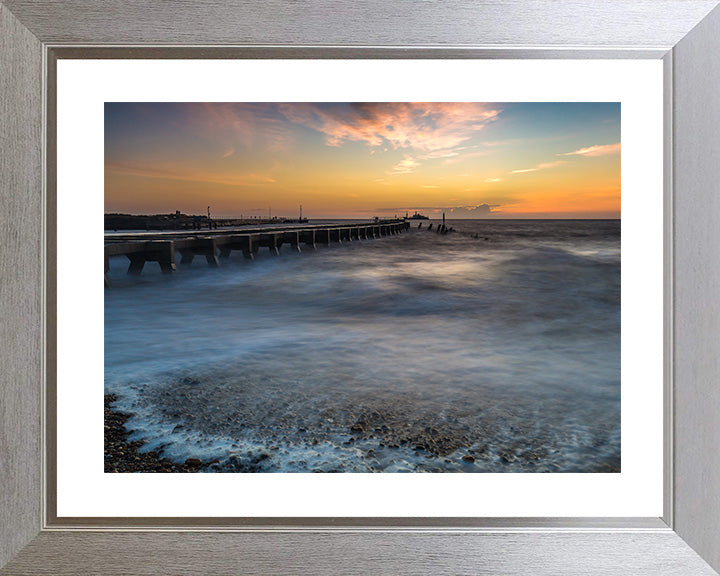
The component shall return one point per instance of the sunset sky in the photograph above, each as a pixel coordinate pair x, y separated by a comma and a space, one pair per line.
342, 160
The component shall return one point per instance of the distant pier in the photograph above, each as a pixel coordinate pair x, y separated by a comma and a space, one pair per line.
214, 246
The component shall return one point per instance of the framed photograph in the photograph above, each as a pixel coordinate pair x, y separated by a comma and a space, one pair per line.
363, 291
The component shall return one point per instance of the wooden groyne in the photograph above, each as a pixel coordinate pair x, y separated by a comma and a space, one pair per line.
216, 245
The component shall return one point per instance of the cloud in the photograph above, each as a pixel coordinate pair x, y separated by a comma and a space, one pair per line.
430, 186
479, 211
539, 167
424, 127
229, 152
246, 179
597, 150
405, 166
491, 180
465, 156
239, 125
442, 154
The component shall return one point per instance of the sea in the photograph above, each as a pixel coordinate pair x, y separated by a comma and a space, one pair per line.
492, 348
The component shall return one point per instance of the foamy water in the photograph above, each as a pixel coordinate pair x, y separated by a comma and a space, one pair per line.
416, 352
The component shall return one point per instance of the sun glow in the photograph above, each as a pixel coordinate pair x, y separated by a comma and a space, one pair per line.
357, 160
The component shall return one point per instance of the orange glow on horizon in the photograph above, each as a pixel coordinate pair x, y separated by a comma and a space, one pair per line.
358, 161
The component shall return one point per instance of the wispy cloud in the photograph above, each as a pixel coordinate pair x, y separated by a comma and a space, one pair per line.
405, 166
244, 179
441, 154
239, 125
597, 150
538, 167
465, 156
492, 180
424, 127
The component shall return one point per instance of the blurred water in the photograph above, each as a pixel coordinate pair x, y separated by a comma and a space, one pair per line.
405, 353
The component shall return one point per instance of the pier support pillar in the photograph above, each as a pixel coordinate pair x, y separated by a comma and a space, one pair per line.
292, 238
137, 263
162, 252
323, 236
248, 244
107, 269
210, 251
203, 246
308, 238
272, 241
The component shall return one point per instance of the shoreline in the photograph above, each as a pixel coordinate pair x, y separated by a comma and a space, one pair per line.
123, 455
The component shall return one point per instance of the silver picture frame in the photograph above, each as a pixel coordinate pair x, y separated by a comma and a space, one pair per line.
685, 34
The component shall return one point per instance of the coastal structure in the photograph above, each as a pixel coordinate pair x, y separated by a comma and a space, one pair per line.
215, 245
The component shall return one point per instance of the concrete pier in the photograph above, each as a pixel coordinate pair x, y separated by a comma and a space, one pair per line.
205, 246
215, 246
